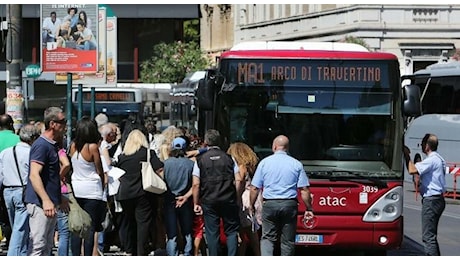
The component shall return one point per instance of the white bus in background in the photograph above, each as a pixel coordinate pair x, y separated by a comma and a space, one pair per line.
440, 97
118, 102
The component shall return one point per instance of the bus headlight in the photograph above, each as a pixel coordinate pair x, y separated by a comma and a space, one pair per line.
375, 213
387, 208
393, 196
390, 210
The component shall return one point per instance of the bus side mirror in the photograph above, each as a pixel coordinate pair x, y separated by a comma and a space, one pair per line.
412, 102
205, 94
207, 89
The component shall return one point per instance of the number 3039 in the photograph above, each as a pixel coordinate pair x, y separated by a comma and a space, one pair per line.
370, 189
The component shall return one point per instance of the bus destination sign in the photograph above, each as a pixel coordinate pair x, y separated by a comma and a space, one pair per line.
260, 72
110, 96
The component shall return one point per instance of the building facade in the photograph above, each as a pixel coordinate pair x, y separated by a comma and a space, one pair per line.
417, 34
216, 28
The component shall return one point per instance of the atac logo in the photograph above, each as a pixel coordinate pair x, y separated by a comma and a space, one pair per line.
331, 201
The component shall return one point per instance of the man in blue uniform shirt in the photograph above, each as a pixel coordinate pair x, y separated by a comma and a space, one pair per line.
280, 176
432, 171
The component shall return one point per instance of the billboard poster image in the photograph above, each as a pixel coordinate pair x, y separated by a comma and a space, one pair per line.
98, 77
69, 38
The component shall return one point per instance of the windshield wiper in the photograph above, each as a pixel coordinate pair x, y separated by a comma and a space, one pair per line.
357, 177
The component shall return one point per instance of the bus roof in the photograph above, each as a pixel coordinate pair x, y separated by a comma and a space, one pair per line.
285, 45
304, 50
444, 69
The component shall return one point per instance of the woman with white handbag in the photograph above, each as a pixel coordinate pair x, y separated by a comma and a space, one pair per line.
138, 205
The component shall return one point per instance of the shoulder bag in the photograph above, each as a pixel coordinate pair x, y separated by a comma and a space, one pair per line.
151, 182
80, 222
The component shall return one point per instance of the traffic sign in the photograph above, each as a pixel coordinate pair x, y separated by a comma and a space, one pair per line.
33, 71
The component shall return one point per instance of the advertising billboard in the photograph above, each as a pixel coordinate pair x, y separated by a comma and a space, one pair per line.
98, 77
69, 38
112, 50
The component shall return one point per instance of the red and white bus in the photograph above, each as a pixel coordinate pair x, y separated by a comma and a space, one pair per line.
343, 109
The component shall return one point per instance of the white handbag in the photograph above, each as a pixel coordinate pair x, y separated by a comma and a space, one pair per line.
151, 182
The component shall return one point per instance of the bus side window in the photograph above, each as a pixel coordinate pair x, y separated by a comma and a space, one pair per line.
456, 102
447, 92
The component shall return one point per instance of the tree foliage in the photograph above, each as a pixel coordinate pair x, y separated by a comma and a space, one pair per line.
352, 39
192, 30
171, 62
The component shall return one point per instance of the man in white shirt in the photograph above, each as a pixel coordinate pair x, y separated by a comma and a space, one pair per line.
86, 40
50, 27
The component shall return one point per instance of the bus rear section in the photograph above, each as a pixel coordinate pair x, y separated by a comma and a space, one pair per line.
342, 108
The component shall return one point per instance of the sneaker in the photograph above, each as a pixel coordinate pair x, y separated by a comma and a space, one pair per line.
114, 249
122, 254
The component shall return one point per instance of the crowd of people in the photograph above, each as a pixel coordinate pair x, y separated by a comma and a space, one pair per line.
212, 205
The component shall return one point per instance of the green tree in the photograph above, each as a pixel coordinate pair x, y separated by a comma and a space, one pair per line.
352, 39
192, 30
171, 62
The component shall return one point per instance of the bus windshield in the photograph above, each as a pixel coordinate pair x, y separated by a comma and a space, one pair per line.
337, 114
441, 95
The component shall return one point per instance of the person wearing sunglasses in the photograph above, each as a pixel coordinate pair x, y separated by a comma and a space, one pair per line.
43, 191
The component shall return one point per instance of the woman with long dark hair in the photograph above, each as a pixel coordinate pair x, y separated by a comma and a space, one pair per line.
84, 18
87, 180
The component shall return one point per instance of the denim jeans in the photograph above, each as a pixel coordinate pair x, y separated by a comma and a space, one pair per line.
19, 219
432, 208
100, 241
173, 216
87, 45
278, 215
229, 212
63, 233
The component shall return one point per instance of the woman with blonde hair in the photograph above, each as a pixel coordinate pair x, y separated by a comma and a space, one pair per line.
247, 160
63, 33
164, 148
138, 205
168, 134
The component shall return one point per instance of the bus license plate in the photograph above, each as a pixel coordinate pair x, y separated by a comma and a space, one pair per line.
308, 239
